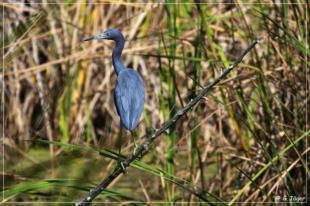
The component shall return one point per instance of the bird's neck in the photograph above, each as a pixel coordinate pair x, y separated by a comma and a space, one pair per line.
116, 56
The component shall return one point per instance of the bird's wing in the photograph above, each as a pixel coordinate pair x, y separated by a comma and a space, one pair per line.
129, 97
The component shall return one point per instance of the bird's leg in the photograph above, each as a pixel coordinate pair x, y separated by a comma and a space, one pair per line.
120, 161
134, 141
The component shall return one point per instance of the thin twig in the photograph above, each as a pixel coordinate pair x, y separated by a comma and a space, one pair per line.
145, 145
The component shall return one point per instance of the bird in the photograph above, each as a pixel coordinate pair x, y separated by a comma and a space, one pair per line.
129, 88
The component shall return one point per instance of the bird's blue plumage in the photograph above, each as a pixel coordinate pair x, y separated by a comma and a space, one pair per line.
129, 97
129, 89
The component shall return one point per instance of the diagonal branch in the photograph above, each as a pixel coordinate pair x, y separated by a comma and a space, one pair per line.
143, 148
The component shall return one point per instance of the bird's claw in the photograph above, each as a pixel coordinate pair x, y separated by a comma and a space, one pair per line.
136, 146
120, 162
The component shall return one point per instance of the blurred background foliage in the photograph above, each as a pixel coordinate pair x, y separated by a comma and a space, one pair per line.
245, 143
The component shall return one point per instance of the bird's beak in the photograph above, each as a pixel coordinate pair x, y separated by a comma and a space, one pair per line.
100, 36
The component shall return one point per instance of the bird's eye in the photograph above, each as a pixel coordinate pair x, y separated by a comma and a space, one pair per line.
107, 34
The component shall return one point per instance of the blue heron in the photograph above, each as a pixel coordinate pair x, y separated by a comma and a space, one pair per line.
129, 89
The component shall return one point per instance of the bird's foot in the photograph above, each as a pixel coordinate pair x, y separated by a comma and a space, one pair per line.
136, 147
134, 151
121, 163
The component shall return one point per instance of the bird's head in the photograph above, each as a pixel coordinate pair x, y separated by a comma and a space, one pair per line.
111, 34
